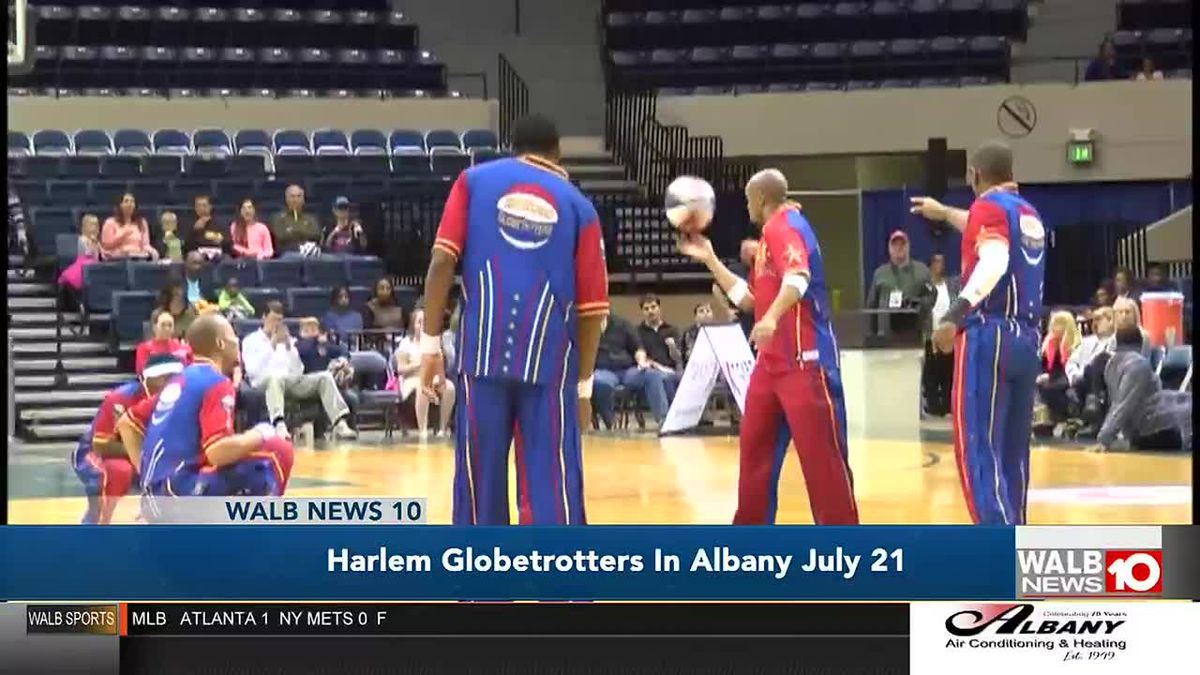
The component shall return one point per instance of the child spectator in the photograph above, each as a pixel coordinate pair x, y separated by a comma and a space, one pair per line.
87, 253
233, 303
251, 239
172, 246
318, 353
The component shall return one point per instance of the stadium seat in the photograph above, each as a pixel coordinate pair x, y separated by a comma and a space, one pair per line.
130, 311
407, 140
280, 273
244, 327
68, 192
359, 295
80, 166
324, 272
49, 221
52, 143
93, 142
152, 276
410, 162
19, 144
364, 270
479, 138
120, 167
246, 272
212, 142
291, 141
303, 302
211, 166
150, 191
100, 281
368, 142
132, 142
481, 155
162, 166
442, 138
259, 297
42, 166
330, 142
171, 142
1175, 366
447, 162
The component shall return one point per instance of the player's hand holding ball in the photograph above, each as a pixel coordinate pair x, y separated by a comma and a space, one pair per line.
690, 202
696, 246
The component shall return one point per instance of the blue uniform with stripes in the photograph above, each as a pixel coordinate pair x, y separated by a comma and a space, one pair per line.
532, 259
996, 362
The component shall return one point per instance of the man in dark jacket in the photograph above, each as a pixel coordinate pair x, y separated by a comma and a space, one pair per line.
1139, 410
294, 227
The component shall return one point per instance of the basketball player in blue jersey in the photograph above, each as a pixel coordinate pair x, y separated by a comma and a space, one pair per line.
992, 328
188, 447
100, 460
535, 293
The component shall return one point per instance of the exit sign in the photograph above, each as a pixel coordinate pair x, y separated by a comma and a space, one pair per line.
1081, 152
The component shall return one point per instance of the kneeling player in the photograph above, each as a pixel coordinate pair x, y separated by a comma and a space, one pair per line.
188, 447
100, 460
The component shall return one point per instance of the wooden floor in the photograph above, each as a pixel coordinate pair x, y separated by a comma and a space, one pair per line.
645, 480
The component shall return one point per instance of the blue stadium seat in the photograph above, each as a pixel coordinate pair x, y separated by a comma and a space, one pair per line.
410, 162
212, 142
46, 222
132, 142
93, 142
246, 272
447, 162
481, 155
749, 53
296, 163
84, 166
289, 141
171, 142
100, 281
259, 297
42, 166
407, 139
368, 142
150, 191
19, 144
244, 327
120, 167
68, 192
442, 138
364, 270
247, 139
325, 272
479, 138
303, 302
209, 166
789, 52
707, 55
130, 311
330, 142
280, 273
152, 276
249, 165
359, 295
52, 143
1175, 365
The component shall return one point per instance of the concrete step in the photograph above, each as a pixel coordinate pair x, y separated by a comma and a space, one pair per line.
63, 397
31, 302
16, 260
58, 431
597, 171
73, 348
43, 448
576, 145
70, 364
26, 318
57, 414
73, 380
609, 186
31, 288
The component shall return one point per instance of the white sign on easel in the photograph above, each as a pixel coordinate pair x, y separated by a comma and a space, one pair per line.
720, 351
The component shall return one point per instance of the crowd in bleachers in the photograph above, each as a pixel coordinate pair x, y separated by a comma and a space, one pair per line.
1153, 40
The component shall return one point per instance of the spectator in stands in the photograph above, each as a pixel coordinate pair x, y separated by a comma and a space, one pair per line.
233, 303
937, 369
249, 237
162, 340
702, 315
293, 228
1126, 314
1123, 284
171, 247
273, 367
1148, 71
86, 253
900, 281
172, 300
1147, 417
661, 342
1157, 280
206, 235
125, 234
341, 319
193, 273
382, 311
318, 354
346, 235
17, 234
408, 363
1062, 339
621, 360
1105, 66
1091, 346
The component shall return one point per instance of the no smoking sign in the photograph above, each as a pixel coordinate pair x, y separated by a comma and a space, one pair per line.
1016, 117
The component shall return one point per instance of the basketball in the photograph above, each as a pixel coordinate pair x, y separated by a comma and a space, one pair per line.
690, 202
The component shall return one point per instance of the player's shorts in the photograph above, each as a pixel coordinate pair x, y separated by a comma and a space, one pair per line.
263, 473
95, 472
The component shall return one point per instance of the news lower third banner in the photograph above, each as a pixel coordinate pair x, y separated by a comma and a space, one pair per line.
356, 562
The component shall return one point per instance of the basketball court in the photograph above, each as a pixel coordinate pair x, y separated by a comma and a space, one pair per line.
640, 479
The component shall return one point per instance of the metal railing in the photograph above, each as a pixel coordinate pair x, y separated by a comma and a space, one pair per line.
514, 97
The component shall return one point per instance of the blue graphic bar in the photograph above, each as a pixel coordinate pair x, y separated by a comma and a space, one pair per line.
304, 562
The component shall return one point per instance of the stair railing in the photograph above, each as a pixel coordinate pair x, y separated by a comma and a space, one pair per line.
514, 98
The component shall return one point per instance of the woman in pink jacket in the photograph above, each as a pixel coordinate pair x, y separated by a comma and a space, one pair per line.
125, 234
251, 239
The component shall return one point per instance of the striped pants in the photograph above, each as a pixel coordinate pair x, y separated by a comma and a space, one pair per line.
995, 368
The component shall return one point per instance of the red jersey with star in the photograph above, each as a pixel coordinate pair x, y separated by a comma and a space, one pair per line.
804, 335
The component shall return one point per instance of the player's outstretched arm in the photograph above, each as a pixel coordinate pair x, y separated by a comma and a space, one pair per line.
930, 208
700, 249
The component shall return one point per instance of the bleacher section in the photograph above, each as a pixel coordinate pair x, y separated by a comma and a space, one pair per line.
253, 48
744, 46
1159, 29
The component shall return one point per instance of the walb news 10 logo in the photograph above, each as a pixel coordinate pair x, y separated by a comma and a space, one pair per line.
1094, 572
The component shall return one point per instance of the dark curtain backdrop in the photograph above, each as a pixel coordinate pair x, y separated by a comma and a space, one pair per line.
1085, 220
